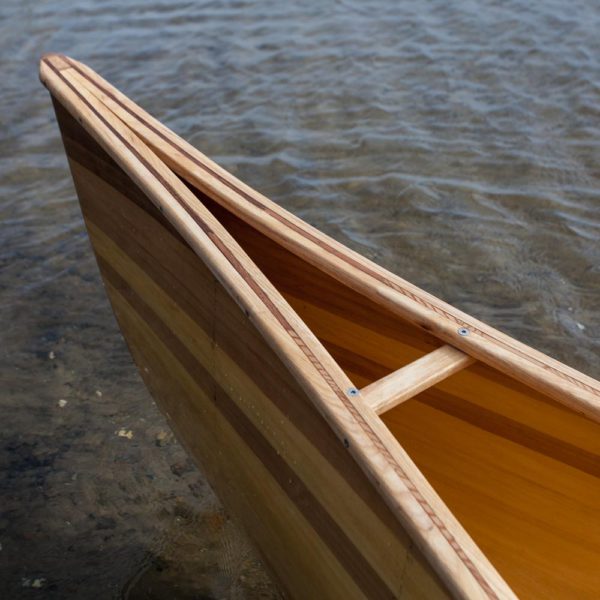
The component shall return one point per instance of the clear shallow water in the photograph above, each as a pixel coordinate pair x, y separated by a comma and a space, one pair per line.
456, 145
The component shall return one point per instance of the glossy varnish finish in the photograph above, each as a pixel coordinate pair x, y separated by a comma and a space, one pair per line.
251, 329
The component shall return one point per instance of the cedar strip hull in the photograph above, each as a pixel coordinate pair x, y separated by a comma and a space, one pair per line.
517, 466
265, 449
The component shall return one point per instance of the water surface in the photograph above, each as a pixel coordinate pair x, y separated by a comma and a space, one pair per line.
457, 144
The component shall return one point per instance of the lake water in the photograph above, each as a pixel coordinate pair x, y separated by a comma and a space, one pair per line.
457, 144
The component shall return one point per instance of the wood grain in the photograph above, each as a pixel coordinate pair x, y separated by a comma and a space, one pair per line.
531, 504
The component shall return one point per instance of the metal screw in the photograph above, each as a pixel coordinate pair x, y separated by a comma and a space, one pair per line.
463, 331
353, 392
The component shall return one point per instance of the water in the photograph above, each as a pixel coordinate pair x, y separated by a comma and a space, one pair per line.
457, 144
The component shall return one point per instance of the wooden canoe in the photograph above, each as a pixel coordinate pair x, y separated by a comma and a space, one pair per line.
374, 441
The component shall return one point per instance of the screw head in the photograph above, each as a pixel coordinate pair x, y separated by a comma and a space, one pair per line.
463, 331
353, 392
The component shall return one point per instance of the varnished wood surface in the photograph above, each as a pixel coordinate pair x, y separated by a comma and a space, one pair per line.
505, 459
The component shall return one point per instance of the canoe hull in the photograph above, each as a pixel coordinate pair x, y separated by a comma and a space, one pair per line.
253, 332
268, 453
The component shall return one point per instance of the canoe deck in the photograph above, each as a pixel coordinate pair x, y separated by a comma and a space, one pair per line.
417, 452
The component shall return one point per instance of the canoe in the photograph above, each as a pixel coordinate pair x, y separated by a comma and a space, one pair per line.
373, 441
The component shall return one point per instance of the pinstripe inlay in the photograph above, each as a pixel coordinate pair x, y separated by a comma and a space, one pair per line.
326, 376
256, 202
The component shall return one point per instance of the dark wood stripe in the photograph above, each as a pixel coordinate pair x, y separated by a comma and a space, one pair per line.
356, 414
327, 528
334, 251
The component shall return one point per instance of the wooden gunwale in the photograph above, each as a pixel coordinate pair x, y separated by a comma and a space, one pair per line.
451, 551
562, 383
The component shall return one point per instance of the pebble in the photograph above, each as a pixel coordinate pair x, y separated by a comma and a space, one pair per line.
38, 582
162, 438
180, 468
99, 393
581, 326
126, 433
51, 355
62, 403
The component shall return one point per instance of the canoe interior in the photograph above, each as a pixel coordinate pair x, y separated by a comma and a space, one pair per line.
520, 471
367, 341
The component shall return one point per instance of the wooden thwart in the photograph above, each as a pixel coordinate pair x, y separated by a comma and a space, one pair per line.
405, 383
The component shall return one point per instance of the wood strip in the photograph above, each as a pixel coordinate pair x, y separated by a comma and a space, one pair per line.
407, 382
